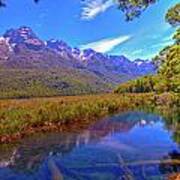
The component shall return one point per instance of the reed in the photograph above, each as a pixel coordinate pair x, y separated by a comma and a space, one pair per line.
21, 117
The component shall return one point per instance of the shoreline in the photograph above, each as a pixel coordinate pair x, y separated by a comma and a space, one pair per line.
23, 117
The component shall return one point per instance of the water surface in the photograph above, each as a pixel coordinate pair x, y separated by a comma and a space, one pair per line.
132, 145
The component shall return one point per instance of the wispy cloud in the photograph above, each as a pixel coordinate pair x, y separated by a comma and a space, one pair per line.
106, 45
91, 8
137, 52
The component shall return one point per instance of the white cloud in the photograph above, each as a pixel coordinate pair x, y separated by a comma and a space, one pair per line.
106, 45
92, 8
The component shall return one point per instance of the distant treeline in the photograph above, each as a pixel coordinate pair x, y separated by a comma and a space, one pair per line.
168, 77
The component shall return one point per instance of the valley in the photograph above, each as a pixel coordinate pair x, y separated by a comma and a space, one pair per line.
31, 67
89, 93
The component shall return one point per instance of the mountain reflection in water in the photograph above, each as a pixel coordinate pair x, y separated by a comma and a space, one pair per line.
132, 145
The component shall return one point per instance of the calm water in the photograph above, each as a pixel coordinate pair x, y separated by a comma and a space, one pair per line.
132, 145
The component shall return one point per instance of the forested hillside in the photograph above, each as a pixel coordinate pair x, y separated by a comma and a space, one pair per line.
167, 78
167, 61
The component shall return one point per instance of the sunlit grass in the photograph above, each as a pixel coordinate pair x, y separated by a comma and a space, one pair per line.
20, 116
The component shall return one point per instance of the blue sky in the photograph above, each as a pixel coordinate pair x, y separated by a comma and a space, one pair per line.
96, 24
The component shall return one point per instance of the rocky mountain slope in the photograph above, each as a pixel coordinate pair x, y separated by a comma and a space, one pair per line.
30, 66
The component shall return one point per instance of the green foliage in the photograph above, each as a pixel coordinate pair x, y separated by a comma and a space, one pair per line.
170, 70
167, 62
145, 84
176, 36
133, 8
167, 79
173, 15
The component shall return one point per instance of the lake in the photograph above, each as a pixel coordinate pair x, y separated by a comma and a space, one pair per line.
129, 145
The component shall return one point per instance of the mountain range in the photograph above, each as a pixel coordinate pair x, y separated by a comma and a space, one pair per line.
30, 66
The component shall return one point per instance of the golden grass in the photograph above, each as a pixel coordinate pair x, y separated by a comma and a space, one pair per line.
21, 117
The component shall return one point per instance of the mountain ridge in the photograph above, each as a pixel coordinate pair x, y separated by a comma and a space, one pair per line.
21, 49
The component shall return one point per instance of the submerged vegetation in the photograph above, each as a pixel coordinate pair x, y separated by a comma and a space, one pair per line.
21, 117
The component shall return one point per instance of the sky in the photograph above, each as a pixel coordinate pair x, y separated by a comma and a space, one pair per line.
96, 24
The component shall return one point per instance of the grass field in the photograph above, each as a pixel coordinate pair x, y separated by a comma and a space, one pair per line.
26, 116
